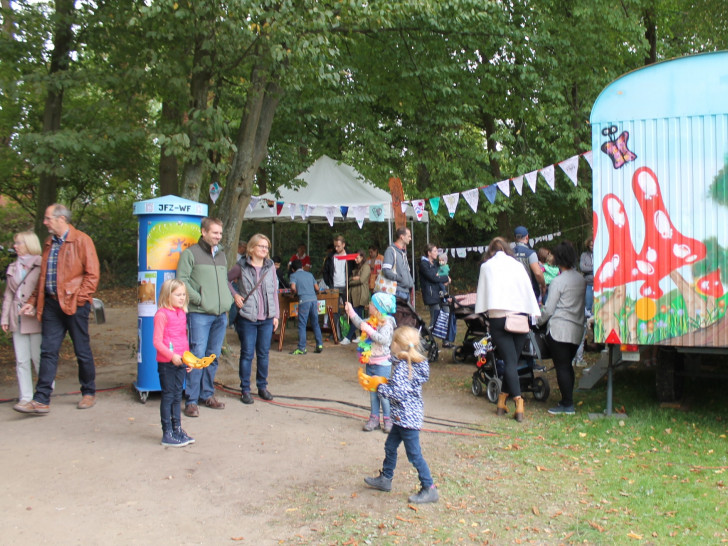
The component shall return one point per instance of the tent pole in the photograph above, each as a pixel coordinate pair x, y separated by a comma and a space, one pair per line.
308, 238
272, 237
412, 271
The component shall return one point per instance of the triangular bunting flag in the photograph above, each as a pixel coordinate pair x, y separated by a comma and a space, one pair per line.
309, 210
376, 213
303, 211
215, 190
471, 197
588, 157
462, 252
571, 168
490, 192
253, 201
344, 211
360, 222
279, 207
549, 176
505, 187
271, 206
329, 212
531, 179
419, 206
518, 184
451, 202
292, 210
435, 204
359, 212
403, 206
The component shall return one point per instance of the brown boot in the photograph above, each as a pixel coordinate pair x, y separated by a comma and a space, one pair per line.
518, 416
500, 408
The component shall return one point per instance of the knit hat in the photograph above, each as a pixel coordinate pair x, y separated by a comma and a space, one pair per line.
385, 303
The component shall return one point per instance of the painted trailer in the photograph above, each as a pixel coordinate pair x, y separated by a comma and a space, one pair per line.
660, 207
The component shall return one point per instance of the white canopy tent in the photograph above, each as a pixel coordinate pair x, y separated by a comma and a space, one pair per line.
328, 185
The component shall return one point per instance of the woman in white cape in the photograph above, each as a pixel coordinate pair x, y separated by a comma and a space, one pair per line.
504, 287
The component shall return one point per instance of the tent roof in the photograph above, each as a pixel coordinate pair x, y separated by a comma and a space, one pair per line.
326, 183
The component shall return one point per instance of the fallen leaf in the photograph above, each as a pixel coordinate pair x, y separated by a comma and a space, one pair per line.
237, 539
413, 507
535, 511
634, 536
595, 525
400, 518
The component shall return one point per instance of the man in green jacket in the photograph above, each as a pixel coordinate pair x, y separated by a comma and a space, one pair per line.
203, 269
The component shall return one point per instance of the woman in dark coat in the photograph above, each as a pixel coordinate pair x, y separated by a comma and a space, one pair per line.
431, 283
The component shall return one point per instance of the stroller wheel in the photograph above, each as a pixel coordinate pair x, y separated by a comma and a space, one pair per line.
433, 352
477, 387
541, 389
494, 389
458, 354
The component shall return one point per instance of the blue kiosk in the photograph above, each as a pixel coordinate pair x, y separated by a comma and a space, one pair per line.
167, 226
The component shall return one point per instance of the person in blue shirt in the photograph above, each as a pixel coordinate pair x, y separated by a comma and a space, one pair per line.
304, 284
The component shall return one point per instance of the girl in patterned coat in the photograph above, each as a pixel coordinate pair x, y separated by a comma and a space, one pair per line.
404, 391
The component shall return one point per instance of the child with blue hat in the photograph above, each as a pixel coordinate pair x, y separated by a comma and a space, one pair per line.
374, 352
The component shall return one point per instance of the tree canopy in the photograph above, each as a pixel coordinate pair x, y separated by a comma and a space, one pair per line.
109, 102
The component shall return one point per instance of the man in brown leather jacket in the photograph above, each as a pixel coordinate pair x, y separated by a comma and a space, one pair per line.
62, 300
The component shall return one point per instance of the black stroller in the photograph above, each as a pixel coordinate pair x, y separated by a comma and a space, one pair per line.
407, 316
490, 370
463, 308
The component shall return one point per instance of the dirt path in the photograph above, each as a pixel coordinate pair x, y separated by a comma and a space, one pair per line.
100, 476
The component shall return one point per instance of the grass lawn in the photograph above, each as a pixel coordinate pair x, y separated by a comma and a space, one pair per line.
657, 476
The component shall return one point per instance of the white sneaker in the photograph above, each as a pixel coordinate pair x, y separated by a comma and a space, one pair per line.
345, 341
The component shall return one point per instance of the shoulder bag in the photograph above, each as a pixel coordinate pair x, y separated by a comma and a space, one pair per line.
517, 323
383, 284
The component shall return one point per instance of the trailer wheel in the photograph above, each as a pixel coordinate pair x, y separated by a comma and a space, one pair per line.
668, 375
477, 386
494, 389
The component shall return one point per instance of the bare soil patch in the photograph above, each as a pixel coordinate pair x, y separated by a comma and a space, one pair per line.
100, 475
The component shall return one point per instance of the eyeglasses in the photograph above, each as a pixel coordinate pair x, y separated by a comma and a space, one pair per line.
263, 246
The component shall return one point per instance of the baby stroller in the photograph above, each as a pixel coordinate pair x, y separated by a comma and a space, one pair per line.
407, 316
463, 308
490, 371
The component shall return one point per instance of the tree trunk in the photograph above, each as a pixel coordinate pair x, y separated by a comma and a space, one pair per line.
60, 61
194, 169
168, 165
252, 147
8, 23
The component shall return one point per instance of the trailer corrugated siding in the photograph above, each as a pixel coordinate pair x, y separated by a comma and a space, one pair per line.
660, 183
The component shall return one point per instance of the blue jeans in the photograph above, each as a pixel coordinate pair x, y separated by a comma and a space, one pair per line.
172, 381
55, 325
207, 332
411, 439
255, 337
589, 297
308, 311
375, 398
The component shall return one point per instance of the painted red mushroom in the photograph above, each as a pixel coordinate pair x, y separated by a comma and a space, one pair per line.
665, 249
668, 250
619, 265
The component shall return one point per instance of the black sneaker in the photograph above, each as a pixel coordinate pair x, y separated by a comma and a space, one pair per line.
428, 494
265, 394
380, 482
170, 439
246, 398
319, 349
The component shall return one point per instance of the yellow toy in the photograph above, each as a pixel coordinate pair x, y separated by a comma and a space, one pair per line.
191, 361
369, 382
